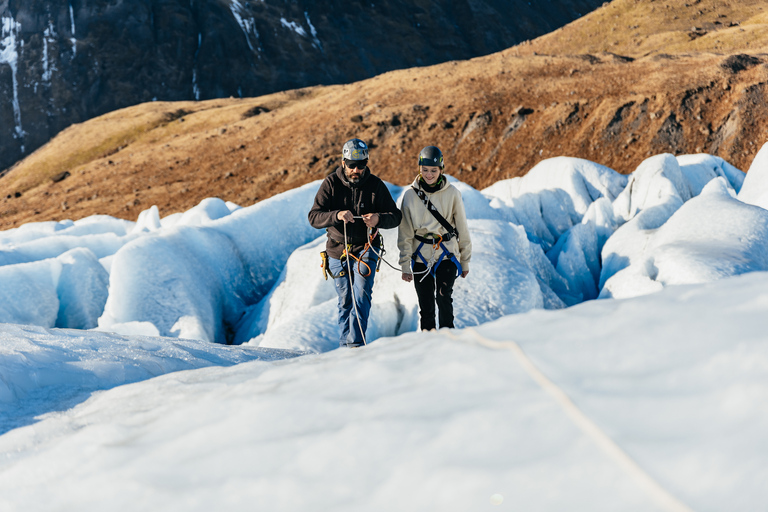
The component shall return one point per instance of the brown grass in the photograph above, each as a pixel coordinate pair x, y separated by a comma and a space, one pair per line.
641, 28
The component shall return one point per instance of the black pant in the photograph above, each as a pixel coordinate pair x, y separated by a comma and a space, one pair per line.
442, 283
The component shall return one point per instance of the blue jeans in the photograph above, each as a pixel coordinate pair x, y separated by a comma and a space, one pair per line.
362, 281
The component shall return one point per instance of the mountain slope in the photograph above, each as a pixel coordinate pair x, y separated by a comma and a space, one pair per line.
643, 28
65, 61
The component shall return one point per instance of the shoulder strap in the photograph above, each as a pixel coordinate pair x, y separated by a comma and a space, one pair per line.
436, 214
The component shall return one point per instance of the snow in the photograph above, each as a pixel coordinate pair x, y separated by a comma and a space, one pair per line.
571, 230
700, 169
655, 191
116, 390
432, 420
509, 275
195, 85
292, 25
45, 370
313, 31
72, 40
554, 195
101, 244
9, 55
710, 237
93, 225
49, 37
196, 277
248, 25
755, 188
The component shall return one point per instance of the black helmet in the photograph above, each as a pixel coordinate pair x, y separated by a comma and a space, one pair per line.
431, 156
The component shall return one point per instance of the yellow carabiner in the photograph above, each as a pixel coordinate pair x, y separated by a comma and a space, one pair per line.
324, 264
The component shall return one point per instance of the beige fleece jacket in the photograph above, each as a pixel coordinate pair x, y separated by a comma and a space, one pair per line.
418, 221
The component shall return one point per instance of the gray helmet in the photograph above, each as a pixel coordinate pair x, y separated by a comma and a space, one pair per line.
431, 156
354, 149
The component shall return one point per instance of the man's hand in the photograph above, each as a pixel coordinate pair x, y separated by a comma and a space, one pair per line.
371, 219
346, 216
407, 277
464, 273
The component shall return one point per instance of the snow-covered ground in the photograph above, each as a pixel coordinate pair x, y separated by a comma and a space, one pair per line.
638, 401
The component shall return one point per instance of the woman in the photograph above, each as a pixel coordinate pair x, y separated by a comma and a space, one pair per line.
433, 239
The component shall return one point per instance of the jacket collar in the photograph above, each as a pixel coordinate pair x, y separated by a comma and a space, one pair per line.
418, 185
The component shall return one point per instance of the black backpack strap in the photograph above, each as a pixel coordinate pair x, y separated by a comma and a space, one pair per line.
452, 232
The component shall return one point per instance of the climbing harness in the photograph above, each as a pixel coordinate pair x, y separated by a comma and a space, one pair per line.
437, 243
325, 265
451, 231
435, 240
373, 239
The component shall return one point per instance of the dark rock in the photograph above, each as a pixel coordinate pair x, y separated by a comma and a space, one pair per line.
621, 59
738, 63
177, 114
60, 177
255, 111
670, 136
615, 126
589, 58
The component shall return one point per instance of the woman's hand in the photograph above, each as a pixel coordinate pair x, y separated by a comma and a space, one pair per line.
407, 277
464, 273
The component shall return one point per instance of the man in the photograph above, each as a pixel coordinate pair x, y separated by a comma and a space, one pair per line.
354, 198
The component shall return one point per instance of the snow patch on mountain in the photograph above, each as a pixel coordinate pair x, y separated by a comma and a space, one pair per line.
247, 24
73, 40
9, 41
49, 65
317, 44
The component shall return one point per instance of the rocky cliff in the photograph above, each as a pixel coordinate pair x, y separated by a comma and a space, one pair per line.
66, 61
